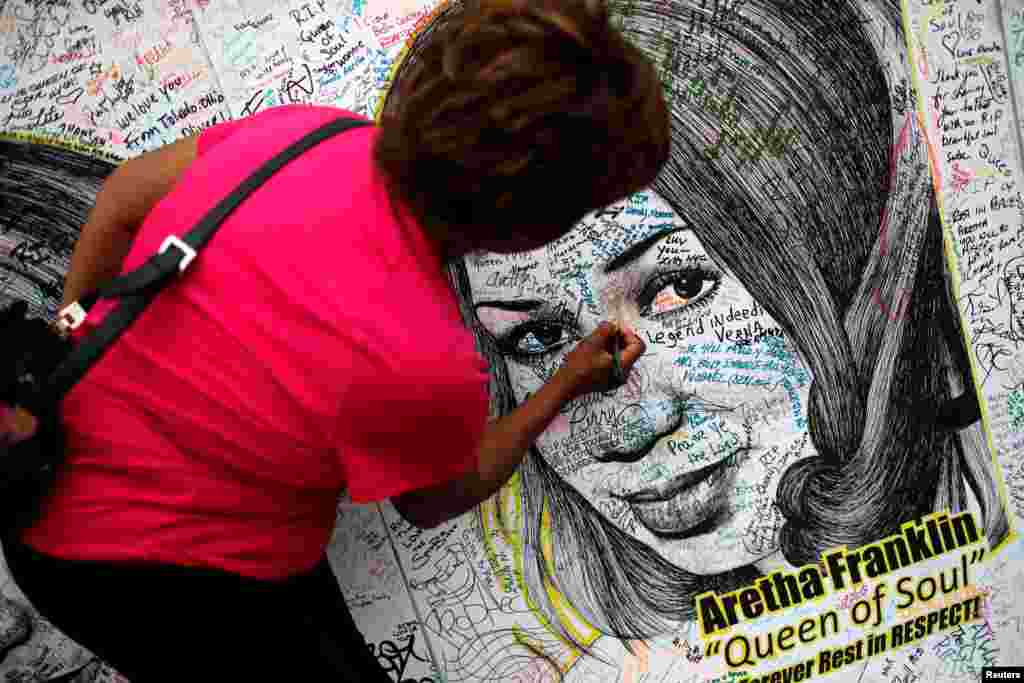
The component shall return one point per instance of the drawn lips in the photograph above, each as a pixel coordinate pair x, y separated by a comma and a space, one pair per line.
685, 505
674, 486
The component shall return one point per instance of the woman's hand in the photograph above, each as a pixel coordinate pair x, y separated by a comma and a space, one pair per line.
591, 366
588, 367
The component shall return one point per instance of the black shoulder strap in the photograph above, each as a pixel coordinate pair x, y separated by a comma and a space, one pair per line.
137, 288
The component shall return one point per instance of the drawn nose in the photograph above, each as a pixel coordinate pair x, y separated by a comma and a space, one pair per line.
648, 410
637, 430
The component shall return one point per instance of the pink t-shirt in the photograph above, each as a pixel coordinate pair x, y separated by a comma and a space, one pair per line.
314, 344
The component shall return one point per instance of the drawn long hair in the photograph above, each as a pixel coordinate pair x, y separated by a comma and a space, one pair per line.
828, 235
46, 190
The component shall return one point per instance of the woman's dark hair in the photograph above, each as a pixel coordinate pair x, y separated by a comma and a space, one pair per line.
826, 231
518, 104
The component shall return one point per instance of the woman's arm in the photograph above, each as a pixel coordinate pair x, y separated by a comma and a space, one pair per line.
506, 441
127, 196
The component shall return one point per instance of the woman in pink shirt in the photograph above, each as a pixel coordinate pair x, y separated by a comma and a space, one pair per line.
315, 345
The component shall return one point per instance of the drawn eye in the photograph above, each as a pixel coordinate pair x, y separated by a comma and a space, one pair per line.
668, 292
535, 338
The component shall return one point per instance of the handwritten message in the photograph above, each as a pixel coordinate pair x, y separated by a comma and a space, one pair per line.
965, 67
293, 53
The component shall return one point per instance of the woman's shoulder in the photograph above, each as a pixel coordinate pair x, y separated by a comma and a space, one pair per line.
304, 111
274, 121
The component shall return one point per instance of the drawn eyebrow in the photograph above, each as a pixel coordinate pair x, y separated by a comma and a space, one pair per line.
637, 250
524, 305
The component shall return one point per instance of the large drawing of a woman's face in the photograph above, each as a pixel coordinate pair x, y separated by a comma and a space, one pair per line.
685, 457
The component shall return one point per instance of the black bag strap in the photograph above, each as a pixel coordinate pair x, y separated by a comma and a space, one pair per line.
138, 287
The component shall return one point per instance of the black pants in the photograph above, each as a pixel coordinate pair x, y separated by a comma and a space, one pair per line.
163, 623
